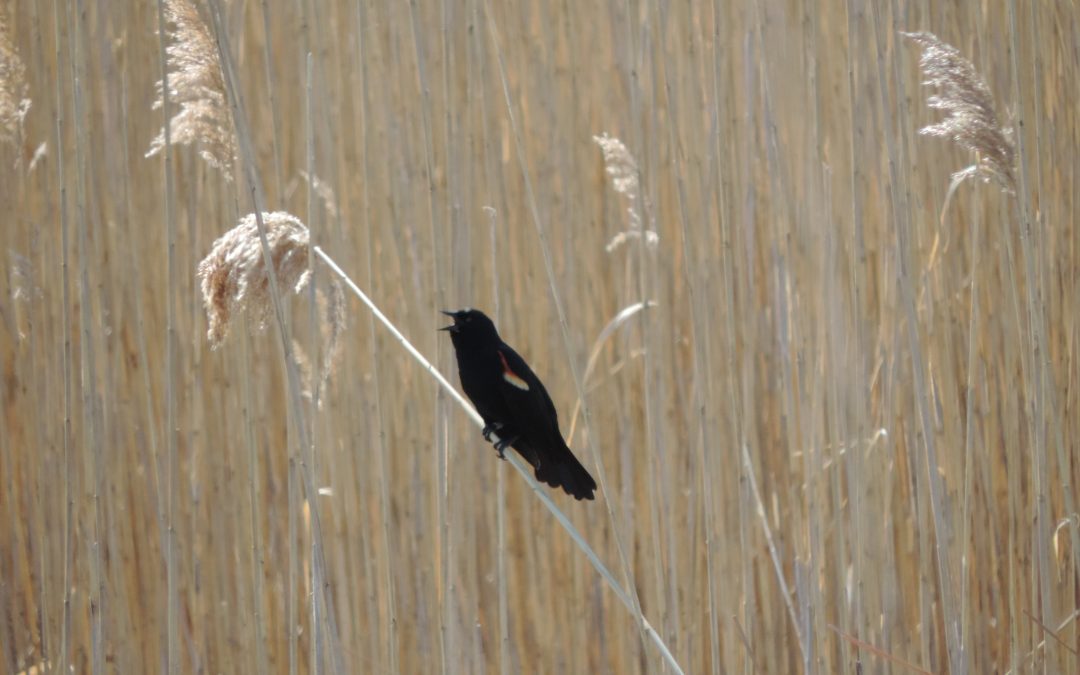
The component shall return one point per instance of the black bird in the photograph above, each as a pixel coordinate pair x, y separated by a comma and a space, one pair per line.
514, 404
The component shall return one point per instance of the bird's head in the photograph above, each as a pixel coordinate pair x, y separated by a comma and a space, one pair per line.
471, 323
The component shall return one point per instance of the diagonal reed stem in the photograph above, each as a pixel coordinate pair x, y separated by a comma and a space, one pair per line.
511, 458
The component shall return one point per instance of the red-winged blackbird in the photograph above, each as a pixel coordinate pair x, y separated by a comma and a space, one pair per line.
513, 402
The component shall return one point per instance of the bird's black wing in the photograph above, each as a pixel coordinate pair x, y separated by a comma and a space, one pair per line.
527, 399
535, 419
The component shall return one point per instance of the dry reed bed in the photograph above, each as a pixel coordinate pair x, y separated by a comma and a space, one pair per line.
840, 435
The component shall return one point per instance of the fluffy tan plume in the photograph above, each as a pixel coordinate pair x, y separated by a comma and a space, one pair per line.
970, 120
14, 92
197, 87
622, 168
233, 275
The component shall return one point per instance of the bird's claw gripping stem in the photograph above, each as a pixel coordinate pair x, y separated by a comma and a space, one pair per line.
501, 446
490, 429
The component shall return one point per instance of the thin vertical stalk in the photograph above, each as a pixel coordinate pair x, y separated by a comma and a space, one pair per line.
747, 335
440, 447
69, 472
291, 600
172, 602
309, 449
275, 113
781, 272
699, 332
500, 481
853, 460
382, 452
452, 190
491, 178
647, 288
969, 432
901, 215
1037, 407
86, 343
37, 337
260, 661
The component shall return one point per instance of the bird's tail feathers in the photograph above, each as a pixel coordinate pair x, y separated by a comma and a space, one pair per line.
568, 473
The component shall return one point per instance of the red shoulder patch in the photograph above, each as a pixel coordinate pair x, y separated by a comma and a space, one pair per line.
510, 376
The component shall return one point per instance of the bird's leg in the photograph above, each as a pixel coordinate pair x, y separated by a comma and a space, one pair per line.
490, 429
503, 443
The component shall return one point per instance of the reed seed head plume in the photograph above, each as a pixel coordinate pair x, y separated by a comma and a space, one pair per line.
14, 100
233, 275
21, 278
622, 168
321, 188
970, 120
619, 164
40, 153
197, 86
331, 307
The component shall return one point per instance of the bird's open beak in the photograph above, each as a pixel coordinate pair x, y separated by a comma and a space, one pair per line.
453, 327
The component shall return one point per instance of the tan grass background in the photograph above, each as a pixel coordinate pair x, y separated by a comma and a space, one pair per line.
153, 518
